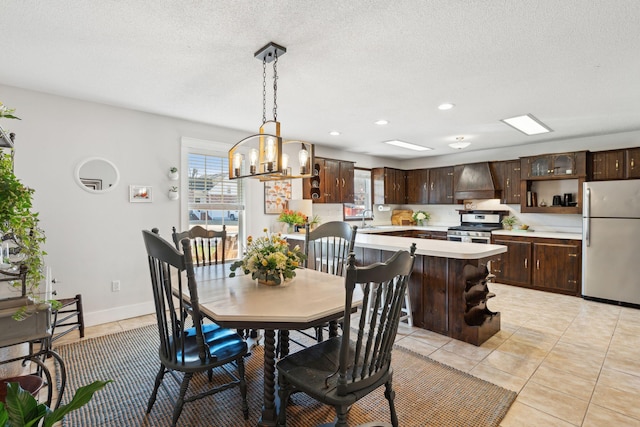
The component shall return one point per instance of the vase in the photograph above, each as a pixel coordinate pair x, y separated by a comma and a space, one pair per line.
266, 282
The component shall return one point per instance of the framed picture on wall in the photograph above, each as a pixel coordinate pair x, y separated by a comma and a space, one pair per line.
140, 194
276, 196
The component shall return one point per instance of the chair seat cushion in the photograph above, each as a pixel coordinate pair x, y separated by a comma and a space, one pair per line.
307, 370
224, 345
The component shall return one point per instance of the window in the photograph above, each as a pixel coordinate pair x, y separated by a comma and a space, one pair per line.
361, 196
213, 200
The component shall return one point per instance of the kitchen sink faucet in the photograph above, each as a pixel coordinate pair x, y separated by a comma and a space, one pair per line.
364, 216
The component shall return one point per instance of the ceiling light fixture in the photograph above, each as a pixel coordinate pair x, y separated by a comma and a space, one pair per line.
446, 106
334, 133
460, 143
527, 124
266, 155
407, 145
381, 122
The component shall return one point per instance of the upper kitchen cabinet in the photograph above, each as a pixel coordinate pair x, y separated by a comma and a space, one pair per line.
632, 163
550, 177
614, 164
606, 165
507, 174
441, 185
389, 186
418, 186
333, 182
554, 166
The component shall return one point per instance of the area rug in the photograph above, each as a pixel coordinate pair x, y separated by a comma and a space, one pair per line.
428, 393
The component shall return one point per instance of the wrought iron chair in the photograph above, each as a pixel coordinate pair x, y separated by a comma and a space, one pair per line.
342, 370
192, 350
207, 246
327, 249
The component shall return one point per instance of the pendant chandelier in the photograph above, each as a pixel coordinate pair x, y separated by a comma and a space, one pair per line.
266, 155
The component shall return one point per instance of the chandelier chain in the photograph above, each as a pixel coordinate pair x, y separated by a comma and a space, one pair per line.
264, 90
275, 88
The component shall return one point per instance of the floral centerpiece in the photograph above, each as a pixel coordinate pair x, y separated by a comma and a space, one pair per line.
269, 259
421, 217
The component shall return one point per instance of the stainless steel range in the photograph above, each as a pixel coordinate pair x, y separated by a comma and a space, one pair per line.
476, 226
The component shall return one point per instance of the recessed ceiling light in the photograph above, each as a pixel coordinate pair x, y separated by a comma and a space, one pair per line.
527, 124
407, 145
460, 143
446, 106
334, 133
381, 122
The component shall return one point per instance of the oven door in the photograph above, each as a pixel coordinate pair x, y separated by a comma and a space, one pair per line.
469, 239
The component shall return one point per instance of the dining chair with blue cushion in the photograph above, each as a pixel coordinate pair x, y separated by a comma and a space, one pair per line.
189, 350
344, 369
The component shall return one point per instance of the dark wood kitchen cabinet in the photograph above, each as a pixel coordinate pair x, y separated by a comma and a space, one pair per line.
389, 186
441, 186
558, 165
512, 267
606, 165
632, 163
508, 174
335, 181
417, 186
552, 265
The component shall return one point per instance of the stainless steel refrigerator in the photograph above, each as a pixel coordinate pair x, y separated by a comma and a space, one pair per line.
611, 241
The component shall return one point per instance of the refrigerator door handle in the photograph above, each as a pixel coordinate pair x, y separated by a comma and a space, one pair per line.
587, 215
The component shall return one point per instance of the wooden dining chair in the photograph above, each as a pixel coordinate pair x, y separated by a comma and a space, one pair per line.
327, 249
328, 246
208, 247
342, 370
195, 349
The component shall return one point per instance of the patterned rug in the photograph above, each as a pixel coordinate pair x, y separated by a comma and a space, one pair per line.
427, 393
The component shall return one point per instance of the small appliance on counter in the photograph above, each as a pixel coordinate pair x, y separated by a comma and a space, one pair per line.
557, 200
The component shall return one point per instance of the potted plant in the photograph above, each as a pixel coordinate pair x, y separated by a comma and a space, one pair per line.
173, 193
21, 237
269, 259
293, 219
509, 221
314, 222
173, 173
22, 409
421, 217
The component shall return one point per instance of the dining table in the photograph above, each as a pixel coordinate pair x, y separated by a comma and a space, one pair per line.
312, 298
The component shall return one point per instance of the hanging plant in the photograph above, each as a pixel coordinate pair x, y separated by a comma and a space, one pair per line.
19, 226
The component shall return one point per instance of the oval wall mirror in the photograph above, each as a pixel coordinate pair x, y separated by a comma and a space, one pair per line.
97, 175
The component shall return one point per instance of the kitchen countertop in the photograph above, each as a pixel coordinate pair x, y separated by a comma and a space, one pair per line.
541, 234
427, 247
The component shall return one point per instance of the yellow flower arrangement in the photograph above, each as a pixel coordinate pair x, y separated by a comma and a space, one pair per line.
269, 259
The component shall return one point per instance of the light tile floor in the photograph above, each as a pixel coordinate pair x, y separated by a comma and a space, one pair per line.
572, 362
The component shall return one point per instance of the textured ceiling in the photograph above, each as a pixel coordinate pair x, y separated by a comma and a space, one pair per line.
574, 64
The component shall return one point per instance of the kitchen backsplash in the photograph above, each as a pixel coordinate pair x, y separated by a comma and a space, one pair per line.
447, 215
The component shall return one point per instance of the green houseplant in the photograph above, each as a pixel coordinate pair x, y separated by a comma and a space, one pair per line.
22, 410
19, 226
509, 221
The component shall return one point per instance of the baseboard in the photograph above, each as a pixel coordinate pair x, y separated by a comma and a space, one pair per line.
118, 313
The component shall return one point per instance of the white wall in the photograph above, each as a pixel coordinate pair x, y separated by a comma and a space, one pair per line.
94, 239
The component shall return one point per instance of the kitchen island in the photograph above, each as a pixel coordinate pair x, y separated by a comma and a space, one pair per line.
448, 289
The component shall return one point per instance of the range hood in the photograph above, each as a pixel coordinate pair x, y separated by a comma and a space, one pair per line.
475, 181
